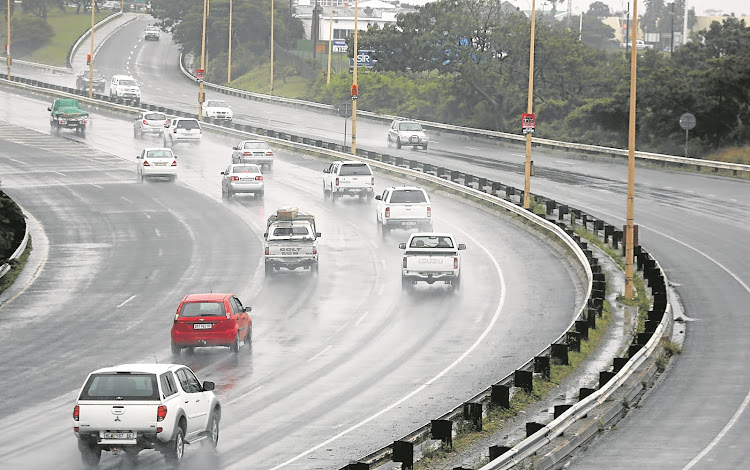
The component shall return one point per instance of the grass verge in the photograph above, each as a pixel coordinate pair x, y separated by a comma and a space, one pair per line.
16, 266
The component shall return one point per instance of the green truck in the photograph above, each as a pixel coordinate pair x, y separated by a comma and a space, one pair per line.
67, 113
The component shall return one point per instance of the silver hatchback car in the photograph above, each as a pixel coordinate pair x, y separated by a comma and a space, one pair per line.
242, 178
149, 122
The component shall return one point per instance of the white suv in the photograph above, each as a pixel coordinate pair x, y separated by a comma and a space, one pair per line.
125, 86
407, 132
182, 130
132, 407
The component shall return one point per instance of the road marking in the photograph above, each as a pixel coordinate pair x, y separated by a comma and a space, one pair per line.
61, 174
320, 353
430, 381
17, 161
565, 162
126, 301
242, 396
126, 199
96, 185
158, 233
359, 320
147, 216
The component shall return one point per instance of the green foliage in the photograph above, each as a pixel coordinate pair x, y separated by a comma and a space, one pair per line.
12, 226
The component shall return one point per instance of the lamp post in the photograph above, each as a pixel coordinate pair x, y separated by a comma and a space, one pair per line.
122, 6
229, 63
8, 44
203, 61
271, 91
330, 42
91, 55
529, 110
629, 228
354, 80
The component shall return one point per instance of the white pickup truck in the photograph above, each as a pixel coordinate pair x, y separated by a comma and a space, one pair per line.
431, 257
131, 407
404, 207
291, 241
350, 178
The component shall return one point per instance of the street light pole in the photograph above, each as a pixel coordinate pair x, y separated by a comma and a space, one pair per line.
529, 110
122, 6
330, 42
91, 60
629, 229
271, 92
354, 80
8, 59
229, 65
203, 61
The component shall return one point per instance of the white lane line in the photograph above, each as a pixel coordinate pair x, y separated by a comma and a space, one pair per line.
126, 301
158, 233
17, 161
320, 353
565, 162
242, 396
746, 401
96, 186
161, 252
126, 199
147, 216
61, 174
359, 320
397, 403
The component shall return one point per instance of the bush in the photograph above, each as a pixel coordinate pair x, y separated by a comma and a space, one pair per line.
12, 226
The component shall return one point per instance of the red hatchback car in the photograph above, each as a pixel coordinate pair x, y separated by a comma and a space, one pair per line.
211, 320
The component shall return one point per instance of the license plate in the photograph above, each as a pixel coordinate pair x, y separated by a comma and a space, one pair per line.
408, 223
160, 164
119, 435
414, 139
202, 326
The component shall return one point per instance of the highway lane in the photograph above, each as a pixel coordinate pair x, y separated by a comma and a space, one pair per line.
334, 350
694, 224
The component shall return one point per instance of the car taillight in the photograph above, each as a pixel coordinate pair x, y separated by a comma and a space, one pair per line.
145, 122
372, 181
429, 211
175, 130
174, 163
247, 154
269, 154
258, 178
234, 178
266, 250
228, 313
387, 212
404, 265
145, 163
315, 251
455, 262
166, 123
337, 181
161, 413
76, 413
176, 316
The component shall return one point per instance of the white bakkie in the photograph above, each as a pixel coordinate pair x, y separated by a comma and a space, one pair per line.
291, 241
404, 207
431, 257
350, 178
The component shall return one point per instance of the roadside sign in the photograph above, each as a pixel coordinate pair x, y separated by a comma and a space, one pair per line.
345, 110
199, 74
528, 125
687, 121
339, 45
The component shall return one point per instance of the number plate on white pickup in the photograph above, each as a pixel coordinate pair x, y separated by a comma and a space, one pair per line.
202, 326
119, 435
408, 223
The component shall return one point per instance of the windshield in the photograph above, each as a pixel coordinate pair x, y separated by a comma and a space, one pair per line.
202, 309
431, 242
188, 124
245, 169
128, 83
158, 154
408, 196
410, 126
120, 386
217, 104
256, 145
350, 169
155, 117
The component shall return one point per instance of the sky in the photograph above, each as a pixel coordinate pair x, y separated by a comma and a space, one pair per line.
739, 7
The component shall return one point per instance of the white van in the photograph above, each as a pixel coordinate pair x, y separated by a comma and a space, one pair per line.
125, 87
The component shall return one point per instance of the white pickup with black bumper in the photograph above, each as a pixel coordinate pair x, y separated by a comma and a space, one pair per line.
431, 257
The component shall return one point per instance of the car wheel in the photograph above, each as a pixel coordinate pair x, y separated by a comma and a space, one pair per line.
90, 455
235, 346
131, 455
224, 194
135, 132
424, 147
388, 141
334, 195
230, 194
456, 284
173, 178
269, 268
398, 142
405, 284
176, 349
325, 191
139, 177
83, 131
249, 337
261, 194
370, 196
314, 268
213, 431
385, 230
176, 450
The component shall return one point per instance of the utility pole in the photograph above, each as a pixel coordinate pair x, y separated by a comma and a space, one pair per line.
203, 61
7, 46
529, 110
629, 229
684, 24
671, 36
330, 43
627, 28
229, 66
91, 56
354, 80
290, 5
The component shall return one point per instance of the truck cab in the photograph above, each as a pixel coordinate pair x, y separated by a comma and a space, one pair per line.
291, 241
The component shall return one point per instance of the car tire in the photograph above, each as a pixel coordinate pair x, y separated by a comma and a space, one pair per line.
139, 177
325, 191
249, 337
131, 456
90, 455
388, 141
173, 178
370, 195
456, 284
314, 268
261, 194
213, 431
235, 346
176, 349
230, 194
135, 132
224, 195
405, 284
334, 196
83, 131
424, 147
385, 230
175, 448
398, 142
269, 268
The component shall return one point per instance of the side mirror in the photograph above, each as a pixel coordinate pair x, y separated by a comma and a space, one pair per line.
318, 235
265, 235
208, 386
235, 148
461, 246
166, 124
326, 170
49, 108
378, 198
402, 246
223, 172
139, 157
248, 309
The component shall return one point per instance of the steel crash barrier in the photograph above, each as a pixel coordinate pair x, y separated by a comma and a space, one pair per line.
559, 222
5, 267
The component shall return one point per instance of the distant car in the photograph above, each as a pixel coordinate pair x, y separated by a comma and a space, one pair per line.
218, 109
211, 320
242, 178
407, 132
125, 86
253, 151
151, 33
156, 162
82, 81
111, 5
149, 122
182, 130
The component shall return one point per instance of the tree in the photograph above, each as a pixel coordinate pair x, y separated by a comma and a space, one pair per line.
41, 7
599, 10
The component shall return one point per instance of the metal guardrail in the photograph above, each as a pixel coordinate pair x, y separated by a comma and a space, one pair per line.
16, 254
439, 178
480, 133
51, 68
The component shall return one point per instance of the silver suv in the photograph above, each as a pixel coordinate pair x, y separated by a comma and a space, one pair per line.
407, 132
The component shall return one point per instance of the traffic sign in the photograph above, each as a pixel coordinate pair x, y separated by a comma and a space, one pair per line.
687, 121
199, 74
528, 125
